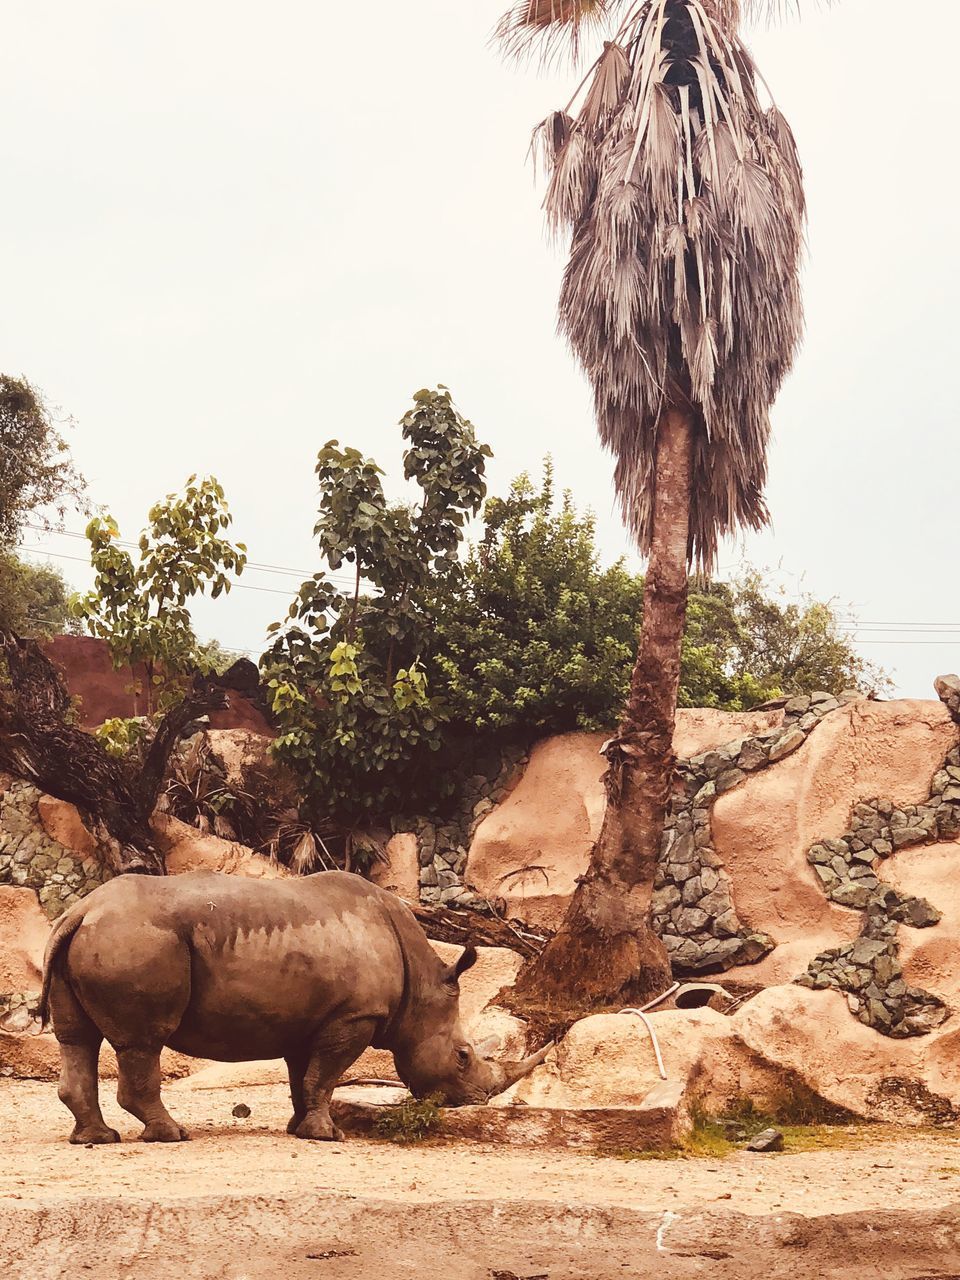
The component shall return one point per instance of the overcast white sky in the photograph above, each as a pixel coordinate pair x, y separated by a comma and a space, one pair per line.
234, 230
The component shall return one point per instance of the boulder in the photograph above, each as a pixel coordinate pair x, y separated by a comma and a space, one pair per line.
187, 849
23, 935
608, 1060
62, 822
401, 872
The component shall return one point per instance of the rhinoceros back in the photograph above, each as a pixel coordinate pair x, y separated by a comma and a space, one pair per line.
249, 967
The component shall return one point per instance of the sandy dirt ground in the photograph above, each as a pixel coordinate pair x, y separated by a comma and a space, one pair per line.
242, 1201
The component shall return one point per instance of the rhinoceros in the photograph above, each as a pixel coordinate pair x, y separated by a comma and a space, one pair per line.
311, 970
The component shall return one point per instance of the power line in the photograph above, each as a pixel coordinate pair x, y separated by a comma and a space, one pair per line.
59, 555
260, 568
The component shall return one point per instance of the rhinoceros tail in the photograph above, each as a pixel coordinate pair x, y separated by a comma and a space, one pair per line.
63, 931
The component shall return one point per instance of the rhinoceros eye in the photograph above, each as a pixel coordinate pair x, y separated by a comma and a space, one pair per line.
463, 1058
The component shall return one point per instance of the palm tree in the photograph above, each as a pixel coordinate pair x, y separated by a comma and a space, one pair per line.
683, 197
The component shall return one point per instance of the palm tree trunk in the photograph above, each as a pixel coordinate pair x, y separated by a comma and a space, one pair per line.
606, 951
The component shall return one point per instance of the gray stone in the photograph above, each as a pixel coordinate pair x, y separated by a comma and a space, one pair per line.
851, 894
903, 836
752, 755
692, 892
727, 925
920, 914
827, 877
683, 849
666, 899
716, 903
790, 741
428, 877
689, 920
797, 706
866, 950
729, 779
767, 1140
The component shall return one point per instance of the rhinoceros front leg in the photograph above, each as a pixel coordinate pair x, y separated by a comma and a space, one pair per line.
138, 1091
328, 1058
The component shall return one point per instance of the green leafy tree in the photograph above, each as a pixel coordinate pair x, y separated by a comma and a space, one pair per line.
36, 473
34, 599
746, 643
140, 607
538, 637
345, 672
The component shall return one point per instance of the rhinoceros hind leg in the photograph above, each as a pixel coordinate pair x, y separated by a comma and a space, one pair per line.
78, 1091
328, 1059
138, 1091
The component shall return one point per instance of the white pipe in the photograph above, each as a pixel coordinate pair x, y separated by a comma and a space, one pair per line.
642, 1015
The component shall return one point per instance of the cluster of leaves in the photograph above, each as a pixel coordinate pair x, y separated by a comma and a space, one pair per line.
747, 643
139, 607
412, 1120
345, 672
36, 473
34, 599
539, 637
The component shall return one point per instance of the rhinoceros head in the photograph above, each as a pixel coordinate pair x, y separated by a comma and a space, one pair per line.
443, 1063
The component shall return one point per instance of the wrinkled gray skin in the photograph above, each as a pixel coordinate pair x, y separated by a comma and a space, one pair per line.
312, 970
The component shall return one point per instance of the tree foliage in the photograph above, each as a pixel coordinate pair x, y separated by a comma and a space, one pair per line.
36, 472
140, 606
34, 599
345, 672
540, 637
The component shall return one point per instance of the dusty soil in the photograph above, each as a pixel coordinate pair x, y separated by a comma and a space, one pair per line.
242, 1201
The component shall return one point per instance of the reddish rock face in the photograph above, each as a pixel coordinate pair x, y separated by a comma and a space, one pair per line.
105, 693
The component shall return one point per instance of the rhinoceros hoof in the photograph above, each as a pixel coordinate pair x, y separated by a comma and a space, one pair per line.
93, 1136
163, 1131
317, 1128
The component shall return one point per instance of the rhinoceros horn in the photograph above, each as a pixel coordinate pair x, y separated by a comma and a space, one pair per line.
514, 1071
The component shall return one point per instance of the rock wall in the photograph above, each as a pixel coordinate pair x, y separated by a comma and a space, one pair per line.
528, 851
33, 858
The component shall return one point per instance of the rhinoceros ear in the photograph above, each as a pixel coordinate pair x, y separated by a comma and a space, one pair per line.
466, 961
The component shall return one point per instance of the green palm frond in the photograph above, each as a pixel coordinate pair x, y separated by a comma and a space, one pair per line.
683, 196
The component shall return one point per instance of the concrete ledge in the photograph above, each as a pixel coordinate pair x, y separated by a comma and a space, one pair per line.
658, 1122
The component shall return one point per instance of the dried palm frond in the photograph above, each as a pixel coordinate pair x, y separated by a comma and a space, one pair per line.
552, 24
555, 25
683, 195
